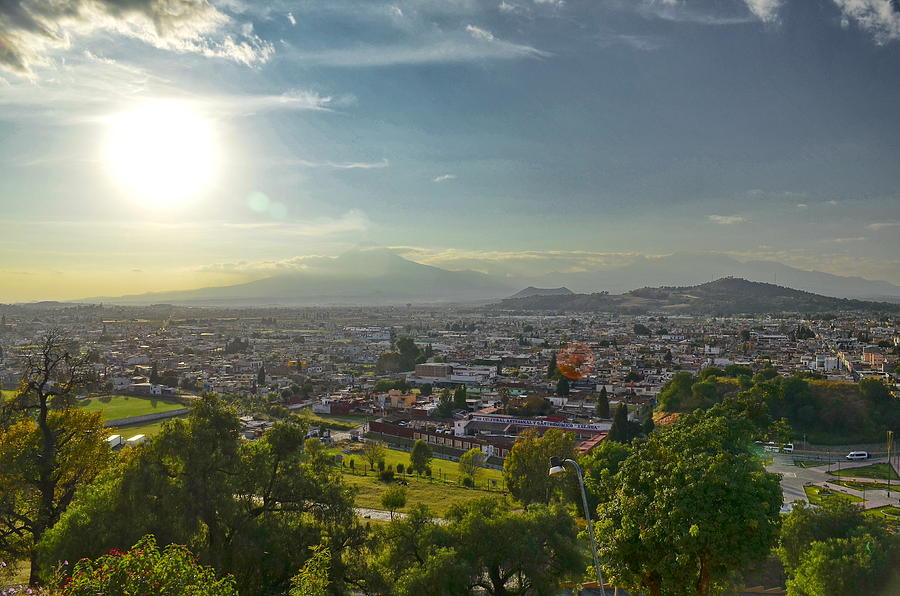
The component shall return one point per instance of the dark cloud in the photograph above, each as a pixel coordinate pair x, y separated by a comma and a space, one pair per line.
29, 29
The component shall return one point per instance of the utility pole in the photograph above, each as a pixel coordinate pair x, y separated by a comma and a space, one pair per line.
890, 444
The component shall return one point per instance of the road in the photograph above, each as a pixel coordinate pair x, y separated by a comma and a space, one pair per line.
794, 478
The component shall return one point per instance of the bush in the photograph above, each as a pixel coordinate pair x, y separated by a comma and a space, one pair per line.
468, 482
399, 468
381, 465
145, 570
386, 476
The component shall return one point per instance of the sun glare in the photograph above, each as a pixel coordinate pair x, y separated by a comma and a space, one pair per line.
162, 152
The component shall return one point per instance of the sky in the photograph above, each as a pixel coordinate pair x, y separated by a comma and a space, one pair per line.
153, 145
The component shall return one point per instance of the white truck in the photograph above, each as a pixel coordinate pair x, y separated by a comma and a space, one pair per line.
136, 440
115, 441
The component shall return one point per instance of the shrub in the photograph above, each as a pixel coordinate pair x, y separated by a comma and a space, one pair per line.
145, 570
399, 468
386, 476
468, 482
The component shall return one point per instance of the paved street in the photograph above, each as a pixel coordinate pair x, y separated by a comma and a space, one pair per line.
794, 478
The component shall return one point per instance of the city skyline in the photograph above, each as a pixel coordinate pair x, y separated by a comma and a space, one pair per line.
147, 150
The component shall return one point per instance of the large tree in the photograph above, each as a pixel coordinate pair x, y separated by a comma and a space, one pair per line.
602, 407
526, 466
420, 457
48, 448
691, 507
618, 432
247, 507
529, 552
471, 462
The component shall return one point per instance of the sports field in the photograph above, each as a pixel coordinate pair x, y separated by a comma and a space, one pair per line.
124, 406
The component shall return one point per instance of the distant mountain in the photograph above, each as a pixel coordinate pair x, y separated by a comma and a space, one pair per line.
726, 296
685, 269
533, 291
371, 276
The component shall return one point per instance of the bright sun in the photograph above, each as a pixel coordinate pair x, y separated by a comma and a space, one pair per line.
163, 152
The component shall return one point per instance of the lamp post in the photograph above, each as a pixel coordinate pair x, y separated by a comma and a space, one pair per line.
557, 468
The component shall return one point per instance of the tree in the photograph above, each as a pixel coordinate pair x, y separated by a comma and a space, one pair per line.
691, 507
445, 405
641, 329
145, 570
312, 580
618, 432
235, 502
600, 467
562, 386
806, 525
420, 457
854, 565
552, 371
261, 376
602, 407
526, 465
459, 397
154, 374
528, 553
48, 448
394, 498
374, 452
425, 390
471, 462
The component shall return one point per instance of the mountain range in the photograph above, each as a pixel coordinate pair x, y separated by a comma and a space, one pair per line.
724, 297
379, 276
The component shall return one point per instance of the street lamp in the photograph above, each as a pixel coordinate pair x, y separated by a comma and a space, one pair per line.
557, 467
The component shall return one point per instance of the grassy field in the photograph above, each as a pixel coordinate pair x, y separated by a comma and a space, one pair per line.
875, 471
889, 515
818, 495
864, 485
439, 497
440, 468
123, 406
150, 429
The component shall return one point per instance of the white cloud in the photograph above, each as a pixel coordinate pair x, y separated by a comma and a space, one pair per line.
347, 165
883, 225
508, 8
444, 177
291, 19
556, 3
879, 17
802, 205
727, 219
765, 10
479, 33
31, 30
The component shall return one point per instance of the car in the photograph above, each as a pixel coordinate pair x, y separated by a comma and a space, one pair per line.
858, 455
787, 448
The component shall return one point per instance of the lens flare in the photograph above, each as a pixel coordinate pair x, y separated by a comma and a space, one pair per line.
575, 360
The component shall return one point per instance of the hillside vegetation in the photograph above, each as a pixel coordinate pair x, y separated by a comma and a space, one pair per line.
825, 411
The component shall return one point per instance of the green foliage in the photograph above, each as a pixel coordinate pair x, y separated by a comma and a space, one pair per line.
233, 502
855, 565
618, 432
146, 571
405, 358
601, 409
562, 386
641, 329
834, 518
312, 580
528, 553
471, 462
600, 467
459, 397
526, 466
689, 508
385, 385
374, 453
420, 457
394, 498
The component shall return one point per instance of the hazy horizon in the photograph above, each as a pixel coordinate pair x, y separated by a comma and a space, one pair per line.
147, 150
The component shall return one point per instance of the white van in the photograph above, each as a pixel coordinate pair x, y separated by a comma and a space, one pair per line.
858, 455
788, 448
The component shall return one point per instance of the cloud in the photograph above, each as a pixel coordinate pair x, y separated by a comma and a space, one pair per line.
444, 177
346, 165
802, 205
765, 10
729, 12
471, 43
291, 19
727, 219
883, 225
31, 29
479, 33
881, 18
